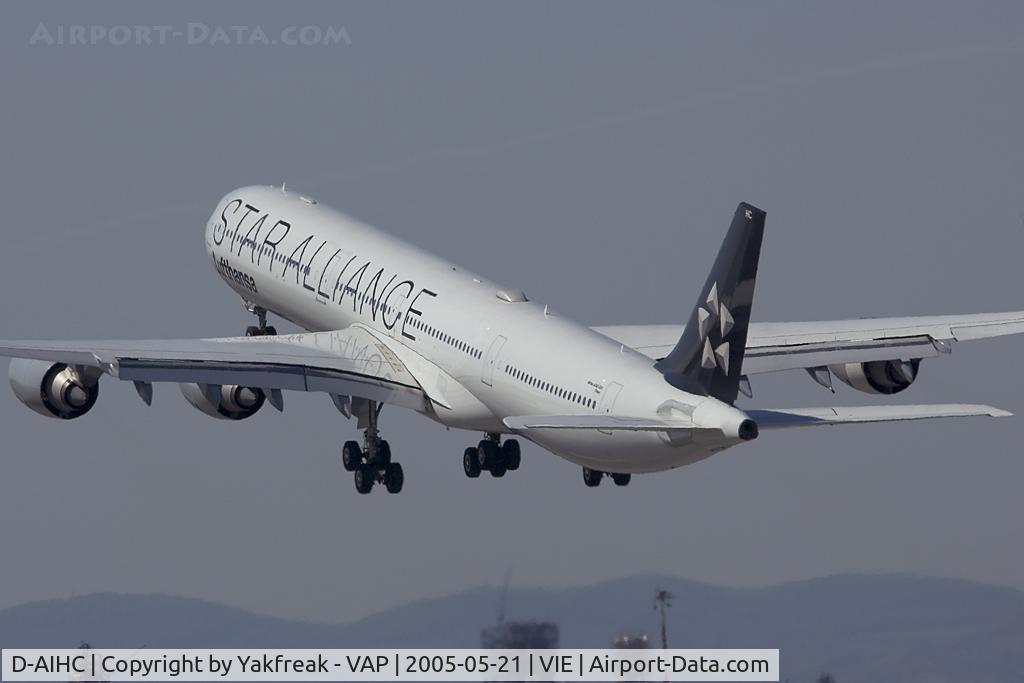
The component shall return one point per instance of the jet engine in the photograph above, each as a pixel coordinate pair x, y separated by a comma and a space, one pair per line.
53, 389
224, 401
878, 376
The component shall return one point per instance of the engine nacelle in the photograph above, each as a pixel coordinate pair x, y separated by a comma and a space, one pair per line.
53, 389
878, 376
224, 401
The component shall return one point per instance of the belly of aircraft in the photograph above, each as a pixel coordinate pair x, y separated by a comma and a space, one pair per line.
622, 451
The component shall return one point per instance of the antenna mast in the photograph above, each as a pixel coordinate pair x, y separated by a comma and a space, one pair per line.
504, 597
662, 601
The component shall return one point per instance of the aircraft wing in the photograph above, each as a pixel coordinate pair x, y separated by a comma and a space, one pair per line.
349, 362
786, 346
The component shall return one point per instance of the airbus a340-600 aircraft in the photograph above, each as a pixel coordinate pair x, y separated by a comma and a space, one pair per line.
389, 323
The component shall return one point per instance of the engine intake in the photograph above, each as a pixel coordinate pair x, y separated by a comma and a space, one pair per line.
226, 401
53, 389
878, 376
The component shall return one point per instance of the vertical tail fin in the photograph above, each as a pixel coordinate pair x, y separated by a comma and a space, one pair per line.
708, 358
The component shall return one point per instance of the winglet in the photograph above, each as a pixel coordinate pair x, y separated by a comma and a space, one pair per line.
708, 358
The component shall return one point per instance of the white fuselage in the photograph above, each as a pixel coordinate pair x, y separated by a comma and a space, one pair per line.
322, 270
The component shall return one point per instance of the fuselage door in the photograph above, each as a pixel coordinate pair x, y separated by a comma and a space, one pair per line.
607, 404
491, 359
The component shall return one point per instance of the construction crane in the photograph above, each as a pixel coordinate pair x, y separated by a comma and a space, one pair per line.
516, 635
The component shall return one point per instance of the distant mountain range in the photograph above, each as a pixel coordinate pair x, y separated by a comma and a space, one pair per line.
859, 628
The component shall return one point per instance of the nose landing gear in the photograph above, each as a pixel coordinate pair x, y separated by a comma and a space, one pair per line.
263, 329
492, 455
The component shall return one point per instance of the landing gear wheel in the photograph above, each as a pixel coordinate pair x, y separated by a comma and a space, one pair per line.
498, 470
254, 331
351, 456
382, 458
621, 479
394, 477
592, 477
510, 450
370, 464
365, 476
487, 454
470, 463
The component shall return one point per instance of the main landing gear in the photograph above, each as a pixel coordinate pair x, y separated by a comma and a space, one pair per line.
263, 329
371, 463
593, 478
491, 455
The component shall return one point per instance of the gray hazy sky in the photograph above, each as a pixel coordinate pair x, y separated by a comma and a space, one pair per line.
590, 153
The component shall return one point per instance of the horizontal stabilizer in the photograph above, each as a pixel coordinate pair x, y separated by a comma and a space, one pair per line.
810, 417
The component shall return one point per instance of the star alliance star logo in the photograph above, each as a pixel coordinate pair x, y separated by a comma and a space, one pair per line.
714, 316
